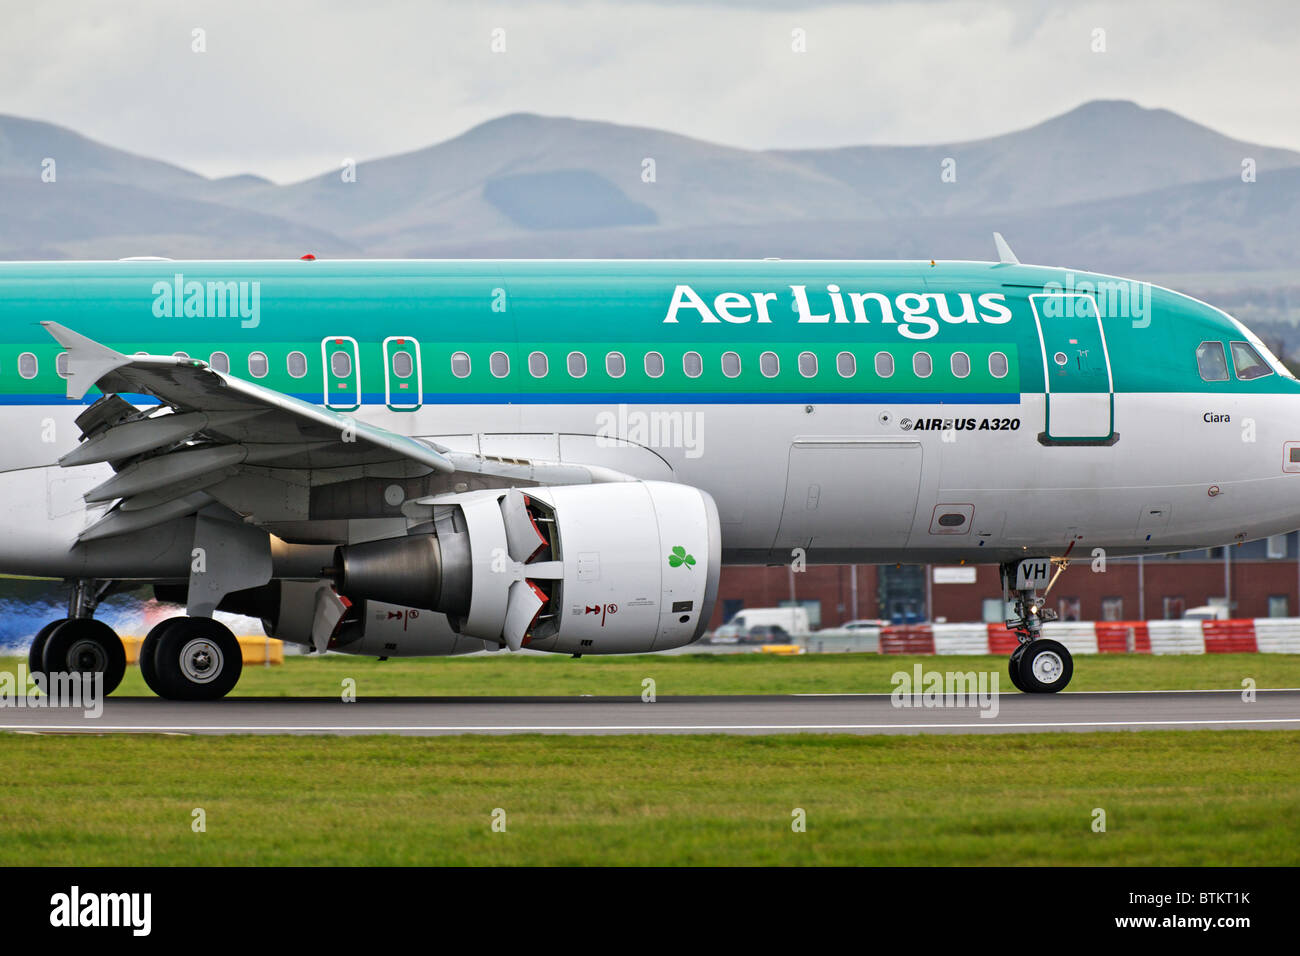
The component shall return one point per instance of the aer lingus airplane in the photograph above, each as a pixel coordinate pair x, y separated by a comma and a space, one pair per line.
434, 457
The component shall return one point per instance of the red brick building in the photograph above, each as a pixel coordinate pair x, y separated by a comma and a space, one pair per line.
1258, 579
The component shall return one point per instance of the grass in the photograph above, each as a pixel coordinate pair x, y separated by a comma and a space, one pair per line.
1197, 798
1191, 797
506, 675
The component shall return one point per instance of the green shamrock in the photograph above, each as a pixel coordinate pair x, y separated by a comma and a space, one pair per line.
680, 557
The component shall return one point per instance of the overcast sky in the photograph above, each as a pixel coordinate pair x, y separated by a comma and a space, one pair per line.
287, 89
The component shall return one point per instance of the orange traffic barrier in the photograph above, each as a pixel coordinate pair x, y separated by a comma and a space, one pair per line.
257, 649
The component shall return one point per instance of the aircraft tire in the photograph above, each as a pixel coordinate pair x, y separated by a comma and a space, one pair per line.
196, 658
36, 655
149, 653
84, 645
1013, 667
1045, 667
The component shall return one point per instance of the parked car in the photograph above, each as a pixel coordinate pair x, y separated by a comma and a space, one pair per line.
794, 620
767, 634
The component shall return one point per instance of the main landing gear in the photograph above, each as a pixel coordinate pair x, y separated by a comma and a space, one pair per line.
78, 644
1039, 665
191, 658
181, 658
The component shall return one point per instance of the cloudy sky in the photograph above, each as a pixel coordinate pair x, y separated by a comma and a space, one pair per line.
289, 88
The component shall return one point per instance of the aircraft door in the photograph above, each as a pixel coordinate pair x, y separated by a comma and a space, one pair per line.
403, 377
1079, 390
342, 372
850, 494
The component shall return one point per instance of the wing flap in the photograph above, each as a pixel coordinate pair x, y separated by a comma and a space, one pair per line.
190, 385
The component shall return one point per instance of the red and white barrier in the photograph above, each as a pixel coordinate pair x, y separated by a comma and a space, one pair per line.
1177, 637
1265, 635
1277, 635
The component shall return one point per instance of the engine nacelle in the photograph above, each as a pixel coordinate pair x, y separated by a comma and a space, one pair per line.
613, 568
372, 628
376, 629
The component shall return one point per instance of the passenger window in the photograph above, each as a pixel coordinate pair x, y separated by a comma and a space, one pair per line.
654, 364
998, 366
297, 364
922, 364
61, 364
807, 364
257, 364
692, 364
1247, 362
769, 364
402, 365
460, 364
27, 365
884, 364
960, 363
220, 361
730, 364
1212, 362
577, 364
537, 364
180, 355
615, 365
846, 364
499, 363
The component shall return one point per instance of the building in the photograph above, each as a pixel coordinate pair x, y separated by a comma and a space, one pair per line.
1254, 579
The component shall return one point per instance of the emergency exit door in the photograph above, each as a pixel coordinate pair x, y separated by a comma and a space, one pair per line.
403, 377
342, 372
1079, 390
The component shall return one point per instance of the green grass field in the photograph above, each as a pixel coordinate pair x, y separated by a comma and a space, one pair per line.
507, 675
1197, 797
1190, 797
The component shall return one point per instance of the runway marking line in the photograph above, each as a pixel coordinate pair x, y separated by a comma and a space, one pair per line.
1062, 694
539, 728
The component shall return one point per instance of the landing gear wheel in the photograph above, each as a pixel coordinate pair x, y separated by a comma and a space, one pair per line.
149, 651
1014, 668
82, 645
1045, 667
196, 658
36, 656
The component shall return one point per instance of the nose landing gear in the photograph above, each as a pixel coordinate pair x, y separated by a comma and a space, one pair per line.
1039, 665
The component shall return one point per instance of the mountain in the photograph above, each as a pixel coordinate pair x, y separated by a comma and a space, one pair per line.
447, 190
1101, 150
1109, 185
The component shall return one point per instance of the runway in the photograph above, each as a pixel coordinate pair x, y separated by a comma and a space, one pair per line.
852, 714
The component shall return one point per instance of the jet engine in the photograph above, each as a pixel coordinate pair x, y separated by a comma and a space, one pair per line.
613, 568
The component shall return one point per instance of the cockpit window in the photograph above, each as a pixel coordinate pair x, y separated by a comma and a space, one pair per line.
1248, 362
1212, 362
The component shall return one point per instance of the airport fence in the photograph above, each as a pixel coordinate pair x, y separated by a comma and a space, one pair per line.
1240, 636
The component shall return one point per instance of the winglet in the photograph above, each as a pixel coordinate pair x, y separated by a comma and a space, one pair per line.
1005, 255
88, 361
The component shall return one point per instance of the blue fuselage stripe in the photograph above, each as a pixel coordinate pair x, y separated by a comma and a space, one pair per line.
607, 398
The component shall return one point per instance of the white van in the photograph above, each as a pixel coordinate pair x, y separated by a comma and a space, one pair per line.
794, 620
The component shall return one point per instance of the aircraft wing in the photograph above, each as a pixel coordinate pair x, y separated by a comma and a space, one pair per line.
279, 461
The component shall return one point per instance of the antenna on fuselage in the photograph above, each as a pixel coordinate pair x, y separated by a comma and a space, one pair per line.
1005, 255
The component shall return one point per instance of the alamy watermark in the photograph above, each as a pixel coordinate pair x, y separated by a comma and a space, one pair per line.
76, 691
922, 688
1116, 298
214, 299
653, 429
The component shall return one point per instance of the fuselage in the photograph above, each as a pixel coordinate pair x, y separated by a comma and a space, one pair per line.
835, 411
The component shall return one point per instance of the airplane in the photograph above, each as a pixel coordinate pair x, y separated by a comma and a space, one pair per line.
395, 458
